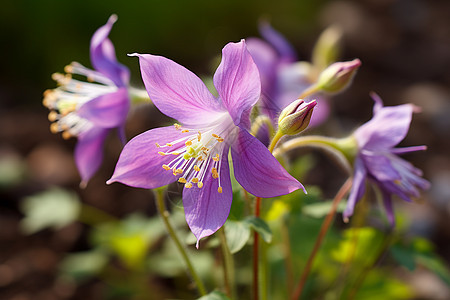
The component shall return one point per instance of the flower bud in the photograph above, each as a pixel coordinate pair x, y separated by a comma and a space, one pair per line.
295, 117
327, 48
338, 76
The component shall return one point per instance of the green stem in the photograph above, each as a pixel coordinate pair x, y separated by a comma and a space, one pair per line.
165, 217
256, 252
228, 265
275, 140
342, 151
323, 231
309, 91
138, 96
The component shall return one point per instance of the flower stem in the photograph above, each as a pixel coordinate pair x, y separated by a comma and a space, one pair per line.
165, 217
309, 91
259, 122
256, 253
138, 95
323, 230
275, 140
228, 265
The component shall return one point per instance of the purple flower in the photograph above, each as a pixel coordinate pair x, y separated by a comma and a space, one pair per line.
196, 152
377, 158
283, 77
89, 110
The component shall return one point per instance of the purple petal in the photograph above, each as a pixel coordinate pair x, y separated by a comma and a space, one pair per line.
258, 171
140, 165
378, 102
278, 41
387, 202
89, 152
206, 209
379, 166
177, 92
237, 81
103, 56
358, 188
404, 150
107, 111
387, 128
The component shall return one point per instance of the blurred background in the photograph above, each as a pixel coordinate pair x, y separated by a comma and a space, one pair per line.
404, 46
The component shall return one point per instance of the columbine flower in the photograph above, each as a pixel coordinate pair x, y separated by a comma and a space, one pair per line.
283, 77
89, 110
196, 152
378, 162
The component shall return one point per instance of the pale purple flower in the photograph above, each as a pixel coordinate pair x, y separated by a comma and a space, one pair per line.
196, 152
378, 161
89, 110
283, 77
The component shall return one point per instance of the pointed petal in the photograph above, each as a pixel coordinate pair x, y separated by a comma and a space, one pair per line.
278, 41
107, 111
387, 128
89, 152
380, 167
140, 165
206, 209
237, 81
358, 188
176, 91
103, 56
258, 171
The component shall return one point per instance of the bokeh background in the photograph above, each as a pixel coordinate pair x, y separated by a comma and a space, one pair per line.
404, 46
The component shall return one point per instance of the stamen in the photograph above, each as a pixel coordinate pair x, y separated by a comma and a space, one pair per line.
215, 135
169, 144
66, 135
196, 168
179, 171
214, 173
182, 180
199, 137
68, 69
177, 126
188, 143
184, 131
194, 180
188, 185
216, 158
166, 167
220, 140
200, 184
219, 189
54, 128
52, 116
158, 145
162, 153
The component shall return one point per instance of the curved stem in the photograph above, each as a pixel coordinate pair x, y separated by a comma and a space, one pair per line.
323, 230
275, 140
256, 252
228, 266
342, 151
165, 217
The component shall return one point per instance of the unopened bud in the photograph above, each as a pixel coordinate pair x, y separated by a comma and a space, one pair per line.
338, 76
295, 117
327, 48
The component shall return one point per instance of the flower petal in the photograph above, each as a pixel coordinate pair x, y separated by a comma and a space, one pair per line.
380, 166
140, 165
237, 81
358, 188
387, 128
176, 91
107, 111
258, 171
206, 209
103, 56
278, 41
89, 152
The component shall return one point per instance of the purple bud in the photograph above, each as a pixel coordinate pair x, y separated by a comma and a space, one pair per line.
295, 117
338, 76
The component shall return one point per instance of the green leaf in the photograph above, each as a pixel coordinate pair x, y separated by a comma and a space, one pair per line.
83, 265
216, 295
404, 256
53, 208
261, 227
237, 234
321, 209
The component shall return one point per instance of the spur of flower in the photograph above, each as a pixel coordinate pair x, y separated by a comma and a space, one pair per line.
196, 151
283, 77
377, 160
89, 109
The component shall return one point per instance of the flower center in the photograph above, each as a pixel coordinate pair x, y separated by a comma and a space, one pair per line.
65, 100
194, 155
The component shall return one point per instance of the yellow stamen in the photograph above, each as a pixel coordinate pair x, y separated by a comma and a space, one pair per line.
52, 116
216, 158
220, 140
158, 145
188, 185
181, 180
54, 128
169, 144
184, 131
66, 135
219, 189
200, 184
214, 173
68, 69
162, 153
199, 137
194, 180
179, 171
177, 126
196, 168
166, 167
175, 153
215, 135
188, 143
